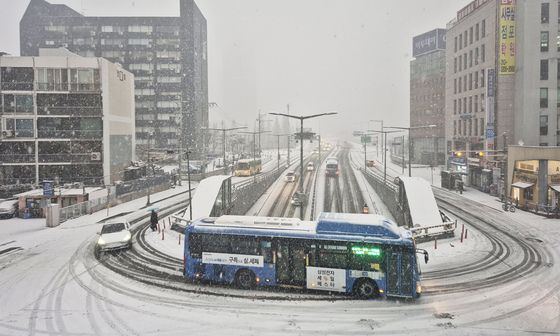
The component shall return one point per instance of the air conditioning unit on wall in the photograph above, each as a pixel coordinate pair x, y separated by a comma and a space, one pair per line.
95, 156
7, 134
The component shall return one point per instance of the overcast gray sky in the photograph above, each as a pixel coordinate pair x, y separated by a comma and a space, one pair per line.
350, 56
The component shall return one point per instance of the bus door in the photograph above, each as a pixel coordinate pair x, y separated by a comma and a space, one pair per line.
399, 273
290, 262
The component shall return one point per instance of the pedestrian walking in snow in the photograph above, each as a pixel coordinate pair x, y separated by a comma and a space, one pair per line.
153, 220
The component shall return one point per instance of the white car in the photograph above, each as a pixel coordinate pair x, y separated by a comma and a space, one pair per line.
114, 236
8, 209
290, 177
310, 166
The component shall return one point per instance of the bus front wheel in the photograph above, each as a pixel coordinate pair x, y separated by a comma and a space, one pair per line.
245, 279
366, 289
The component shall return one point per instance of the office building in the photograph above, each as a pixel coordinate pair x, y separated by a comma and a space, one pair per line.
427, 97
167, 55
65, 118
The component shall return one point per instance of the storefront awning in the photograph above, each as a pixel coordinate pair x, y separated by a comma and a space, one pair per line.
522, 185
555, 187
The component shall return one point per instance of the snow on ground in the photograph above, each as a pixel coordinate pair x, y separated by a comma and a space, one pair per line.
55, 286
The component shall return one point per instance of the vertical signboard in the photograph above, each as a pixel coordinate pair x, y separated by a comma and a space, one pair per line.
507, 37
490, 132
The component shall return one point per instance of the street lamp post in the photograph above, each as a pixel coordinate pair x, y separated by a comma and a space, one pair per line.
410, 141
384, 136
224, 130
377, 144
301, 119
189, 183
278, 143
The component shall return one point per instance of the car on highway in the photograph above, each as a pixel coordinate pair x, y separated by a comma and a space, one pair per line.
8, 209
114, 236
298, 199
310, 166
290, 177
370, 163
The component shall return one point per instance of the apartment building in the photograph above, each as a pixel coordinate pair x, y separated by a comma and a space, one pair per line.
65, 118
427, 97
167, 55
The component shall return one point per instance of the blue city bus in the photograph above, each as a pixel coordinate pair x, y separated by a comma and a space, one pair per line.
366, 255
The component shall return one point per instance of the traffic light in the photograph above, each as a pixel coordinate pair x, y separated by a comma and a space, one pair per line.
481, 154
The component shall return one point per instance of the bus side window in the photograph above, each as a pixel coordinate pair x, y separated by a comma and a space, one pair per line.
195, 246
266, 251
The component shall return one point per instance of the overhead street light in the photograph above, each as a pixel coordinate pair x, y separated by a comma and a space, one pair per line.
224, 130
384, 133
409, 141
301, 119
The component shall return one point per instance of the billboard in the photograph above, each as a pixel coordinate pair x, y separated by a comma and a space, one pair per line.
507, 37
428, 42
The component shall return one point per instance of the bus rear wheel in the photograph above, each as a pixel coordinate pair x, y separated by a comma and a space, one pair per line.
366, 289
245, 279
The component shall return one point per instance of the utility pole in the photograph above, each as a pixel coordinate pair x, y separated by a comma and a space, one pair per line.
301, 119
181, 144
224, 130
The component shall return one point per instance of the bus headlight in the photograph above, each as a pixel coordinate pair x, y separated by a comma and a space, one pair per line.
101, 241
418, 288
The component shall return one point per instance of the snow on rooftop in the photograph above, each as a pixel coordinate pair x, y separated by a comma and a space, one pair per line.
424, 210
205, 196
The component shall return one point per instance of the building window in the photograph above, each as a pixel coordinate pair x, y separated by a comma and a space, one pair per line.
465, 61
470, 127
476, 56
460, 85
460, 41
107, 29
465, 127
470, 104
483, 28
476, 32
471, 35
455, 65
482, 78
460, 62
475, 103
84, 79
140, 29
558, 98
459, 126
482, 126
464, 104
455, 85
475, 127
144, 92
52, 79
543, 97
545, 12
544, 41
470, 81
482, 103
558, 38
454, 106
17, 78
483, 53
465, 38
543, 129
460, 106
470, 58
140, 42
455, 44
454, 127
544, 70
476, 79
